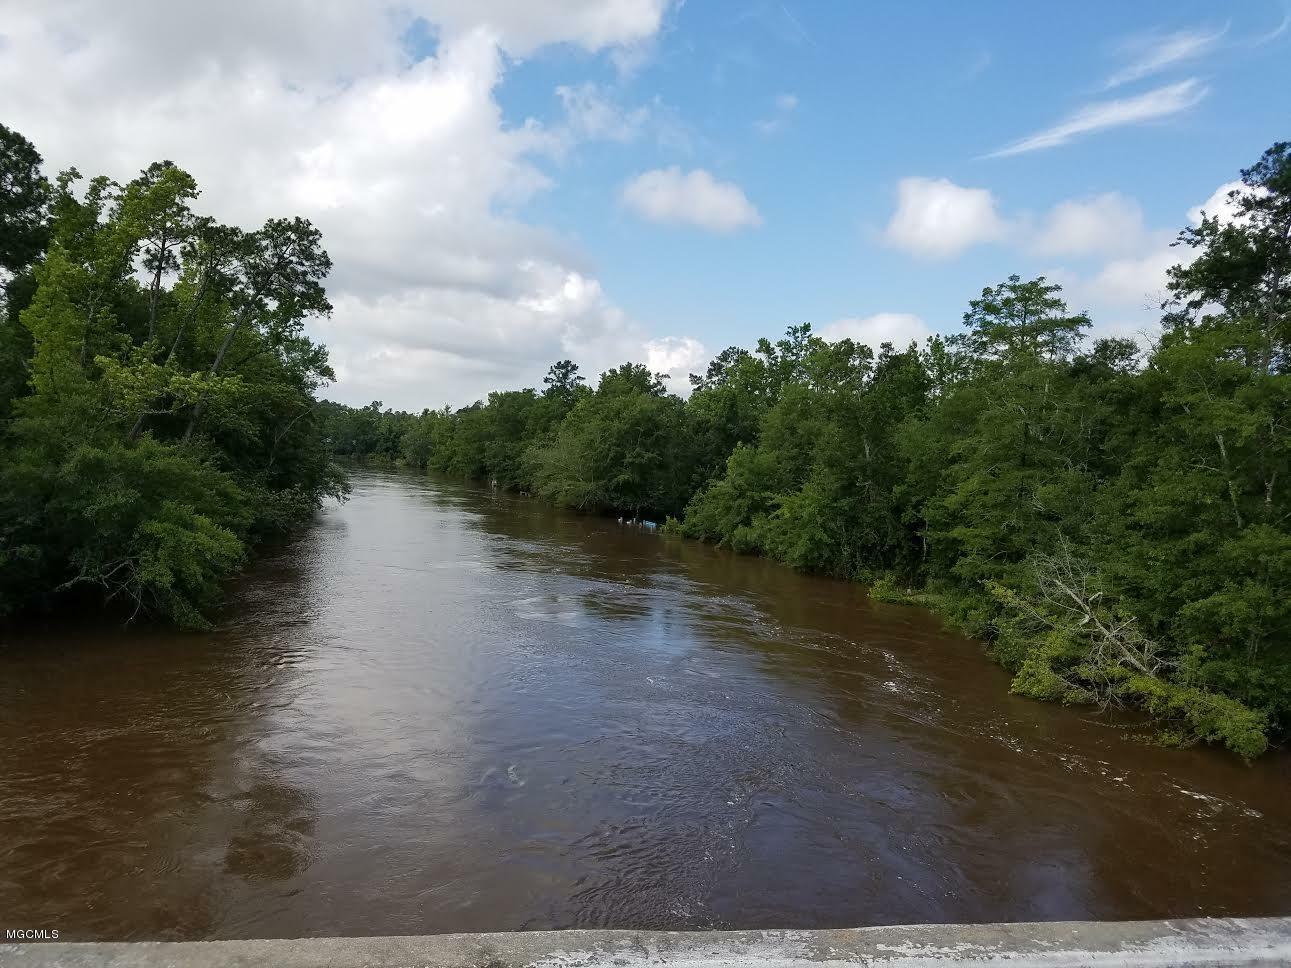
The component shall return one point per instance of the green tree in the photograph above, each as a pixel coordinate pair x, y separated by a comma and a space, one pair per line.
619, 450
1017, 318
105, 492
24, 198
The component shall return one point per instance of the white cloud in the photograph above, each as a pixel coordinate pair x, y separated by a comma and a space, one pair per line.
593, 114
1137, 281
935, 218
1224, 208
899, 329
1161, 102
1125, 293
1150, 54
522, 26
1139, 278
1218, 204
408, 167
690, 198
676, 356
1101, 225
1274, 34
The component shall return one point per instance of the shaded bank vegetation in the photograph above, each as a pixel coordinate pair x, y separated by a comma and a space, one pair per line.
1116, 523
157, 411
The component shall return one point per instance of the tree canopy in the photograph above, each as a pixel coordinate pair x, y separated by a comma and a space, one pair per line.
158, 412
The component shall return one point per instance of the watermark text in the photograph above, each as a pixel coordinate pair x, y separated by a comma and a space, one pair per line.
31, 934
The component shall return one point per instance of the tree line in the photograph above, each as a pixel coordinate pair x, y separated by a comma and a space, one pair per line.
157, 391
1113, 521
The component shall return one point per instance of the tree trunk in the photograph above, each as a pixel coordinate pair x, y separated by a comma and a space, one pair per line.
137, 428
200, 407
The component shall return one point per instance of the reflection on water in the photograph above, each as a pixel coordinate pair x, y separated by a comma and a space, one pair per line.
443, 709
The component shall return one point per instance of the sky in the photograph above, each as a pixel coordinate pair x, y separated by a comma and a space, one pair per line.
505, 183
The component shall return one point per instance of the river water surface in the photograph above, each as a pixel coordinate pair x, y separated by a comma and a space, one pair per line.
442, 709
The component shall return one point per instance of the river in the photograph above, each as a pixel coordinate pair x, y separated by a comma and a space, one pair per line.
443, 709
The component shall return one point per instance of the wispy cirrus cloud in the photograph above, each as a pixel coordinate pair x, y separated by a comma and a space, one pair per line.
784, 105
1160, 102
1275, 33
1149, 54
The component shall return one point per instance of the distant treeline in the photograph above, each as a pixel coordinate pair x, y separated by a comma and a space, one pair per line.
157, 411
1116, 523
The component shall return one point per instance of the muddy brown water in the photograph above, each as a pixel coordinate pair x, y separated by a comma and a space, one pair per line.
441, 709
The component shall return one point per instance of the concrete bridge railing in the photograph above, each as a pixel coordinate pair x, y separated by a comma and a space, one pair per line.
1213, 942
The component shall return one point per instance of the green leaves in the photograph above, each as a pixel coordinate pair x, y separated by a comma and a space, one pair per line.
621, 449
1017, 318
105, 487
179, 559
24, 197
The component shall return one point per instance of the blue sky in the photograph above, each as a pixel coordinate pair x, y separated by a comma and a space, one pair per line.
883, 92
504, 183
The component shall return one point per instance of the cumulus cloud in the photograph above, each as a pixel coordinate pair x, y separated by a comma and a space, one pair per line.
1223, 207
690, 198
1138, 278
1153, 105
899, 329
1138, 281
1218, 204
678, 357
1124, 293
1148, 54
936, 219
1101, 225
406, 164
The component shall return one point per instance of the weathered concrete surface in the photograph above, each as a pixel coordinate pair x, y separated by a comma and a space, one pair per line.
1265, 941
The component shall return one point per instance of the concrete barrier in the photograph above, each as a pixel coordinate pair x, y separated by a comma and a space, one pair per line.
1227, 942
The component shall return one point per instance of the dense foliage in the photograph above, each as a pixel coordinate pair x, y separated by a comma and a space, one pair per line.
1116, 523
157, 410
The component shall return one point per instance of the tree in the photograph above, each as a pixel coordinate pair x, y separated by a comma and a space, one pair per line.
272, 285
106, 496
720, 369
1243, 265
24, 233
159, 200
562, 382
1017, 317
817, 488
24, 198
621, 449
725, 410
